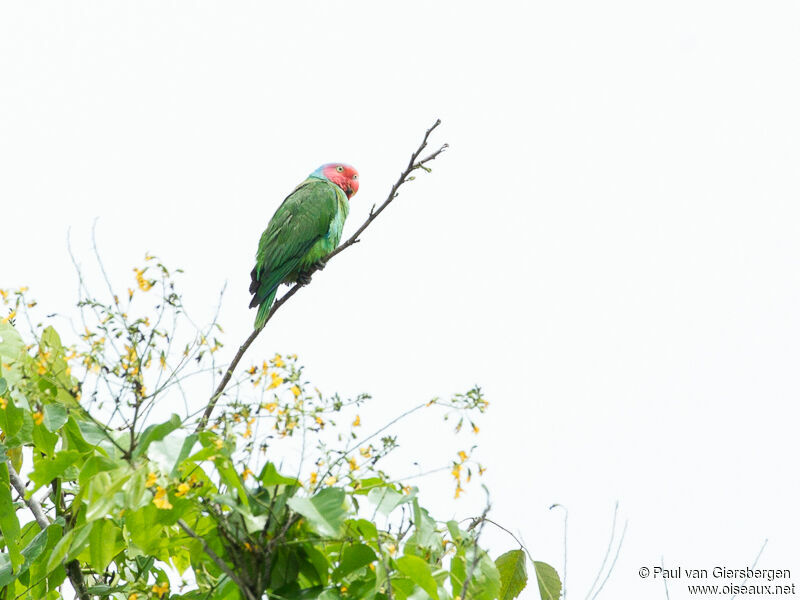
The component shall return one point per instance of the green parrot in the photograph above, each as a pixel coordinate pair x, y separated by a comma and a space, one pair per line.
306, 228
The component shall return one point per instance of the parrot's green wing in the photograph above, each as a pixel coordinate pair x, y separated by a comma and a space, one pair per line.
302, 220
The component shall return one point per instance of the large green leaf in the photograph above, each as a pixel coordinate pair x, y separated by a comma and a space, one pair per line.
30, 553
386, 499
47, 469
354, 557
549, 582
156, 432
9, 524
11, 347
269, 476
55, 415
326, 511
513, 574
105, 542
419, 572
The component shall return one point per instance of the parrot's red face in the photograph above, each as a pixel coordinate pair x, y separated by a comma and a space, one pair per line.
345, 176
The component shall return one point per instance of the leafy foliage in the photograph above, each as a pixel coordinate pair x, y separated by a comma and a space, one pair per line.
138, 503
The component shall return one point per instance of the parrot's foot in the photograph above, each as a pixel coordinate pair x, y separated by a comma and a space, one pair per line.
320, 264
304, 278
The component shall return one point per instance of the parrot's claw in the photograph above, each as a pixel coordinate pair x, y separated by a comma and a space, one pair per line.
304, 278
320, 264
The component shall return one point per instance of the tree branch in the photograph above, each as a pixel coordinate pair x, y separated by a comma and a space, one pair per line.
414, 163
218, 561
73, 567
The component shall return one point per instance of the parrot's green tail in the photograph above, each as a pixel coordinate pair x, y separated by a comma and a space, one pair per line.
263, 310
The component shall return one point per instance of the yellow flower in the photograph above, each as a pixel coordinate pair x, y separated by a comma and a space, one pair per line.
246, 473
365, 451
38, 417
459, 491
271, 406
462, 455
392, 549
161, 500
160, 589
144, 284
10, 316
130, 293
218, 443
313, 477
278, 361
319, 421
295, 391
3, 403
357, 421
183, 488
352, 462
276, 380
456, 471
475, 428
252, 370
330, 480
133, 596
151, 479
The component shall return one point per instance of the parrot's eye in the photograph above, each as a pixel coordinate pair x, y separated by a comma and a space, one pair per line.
339, 169
355, 177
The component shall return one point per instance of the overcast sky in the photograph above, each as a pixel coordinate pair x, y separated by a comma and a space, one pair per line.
610, 246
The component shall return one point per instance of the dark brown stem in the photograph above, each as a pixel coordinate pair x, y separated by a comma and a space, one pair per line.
414, 163
218, 561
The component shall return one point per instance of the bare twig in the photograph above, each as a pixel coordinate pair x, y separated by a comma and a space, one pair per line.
479, 523
564, 582
218, 561
73, 567
414, 163
32, 503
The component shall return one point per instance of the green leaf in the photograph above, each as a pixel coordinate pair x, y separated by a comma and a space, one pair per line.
59, 551
513, 574
419, 572
3, 386
354, 557
101, 492
387, 499
425, 533
9, 524
230, 477
549, 582
44, 440
269, 476
134, 491
326, 511
47, 469
187, 446
104, 544
156, 432
30, 553
11, 347
55, 415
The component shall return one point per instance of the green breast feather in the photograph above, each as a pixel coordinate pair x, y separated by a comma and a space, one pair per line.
305, 228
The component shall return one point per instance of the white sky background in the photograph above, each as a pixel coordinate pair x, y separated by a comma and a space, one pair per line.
610, 247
